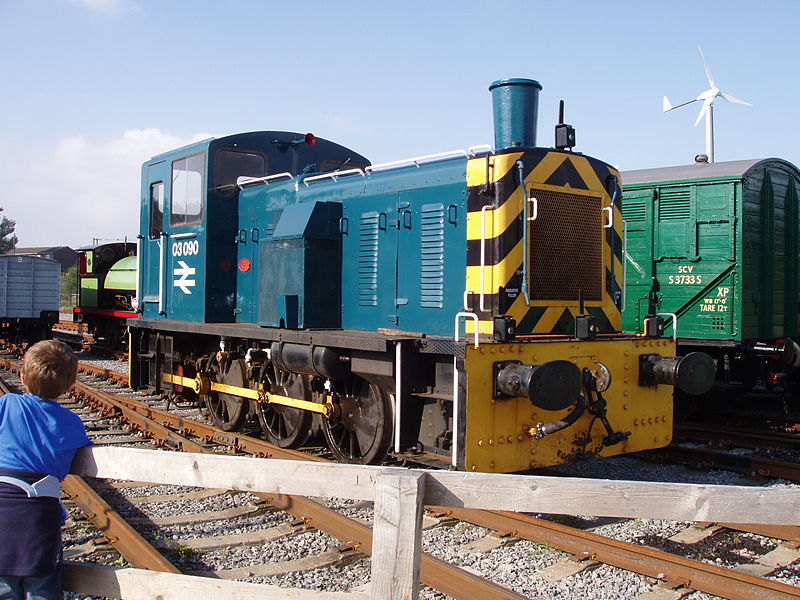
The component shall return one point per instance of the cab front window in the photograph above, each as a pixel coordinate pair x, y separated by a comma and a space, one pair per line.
234, 166
186, 206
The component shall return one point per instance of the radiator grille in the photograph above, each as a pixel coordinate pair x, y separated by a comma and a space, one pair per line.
566, 245
368, 259
431, 257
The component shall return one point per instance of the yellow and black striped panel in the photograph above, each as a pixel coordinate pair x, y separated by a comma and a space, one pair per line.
568, 250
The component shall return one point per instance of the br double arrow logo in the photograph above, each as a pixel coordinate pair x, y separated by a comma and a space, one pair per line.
183, 281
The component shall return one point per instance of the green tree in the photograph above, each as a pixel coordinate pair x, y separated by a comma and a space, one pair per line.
8, 240
69, 288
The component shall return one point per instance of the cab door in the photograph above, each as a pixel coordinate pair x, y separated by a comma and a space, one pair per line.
152, 240
248, 236
184, 240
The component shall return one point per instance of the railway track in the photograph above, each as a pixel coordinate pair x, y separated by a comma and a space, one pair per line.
586, 551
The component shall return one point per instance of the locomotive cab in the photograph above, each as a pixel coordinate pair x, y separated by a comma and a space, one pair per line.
106, 290
196, 234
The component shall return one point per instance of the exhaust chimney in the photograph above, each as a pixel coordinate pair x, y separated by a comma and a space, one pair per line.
515, 104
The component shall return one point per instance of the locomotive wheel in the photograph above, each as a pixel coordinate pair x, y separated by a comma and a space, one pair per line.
285, 426
228, 412
362, 430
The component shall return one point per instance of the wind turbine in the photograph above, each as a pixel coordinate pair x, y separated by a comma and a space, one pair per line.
707, 109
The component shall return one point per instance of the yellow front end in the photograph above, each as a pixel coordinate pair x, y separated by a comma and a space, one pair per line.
501, 433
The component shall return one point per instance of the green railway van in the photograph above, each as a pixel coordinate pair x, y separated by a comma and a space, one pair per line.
713, 248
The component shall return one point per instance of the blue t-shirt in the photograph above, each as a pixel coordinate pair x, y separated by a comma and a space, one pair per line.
38, 435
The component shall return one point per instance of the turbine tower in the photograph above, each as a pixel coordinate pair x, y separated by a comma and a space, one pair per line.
707, 109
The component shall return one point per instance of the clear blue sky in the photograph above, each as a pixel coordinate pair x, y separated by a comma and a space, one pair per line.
93, 88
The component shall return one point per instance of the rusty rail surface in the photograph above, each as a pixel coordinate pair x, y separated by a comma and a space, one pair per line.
720, 459
125, 539
778, 440
647, 561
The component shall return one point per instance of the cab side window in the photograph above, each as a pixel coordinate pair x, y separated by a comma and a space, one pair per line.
186, 206
156, 209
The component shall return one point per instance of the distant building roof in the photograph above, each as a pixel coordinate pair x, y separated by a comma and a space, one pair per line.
37, 250
63, 254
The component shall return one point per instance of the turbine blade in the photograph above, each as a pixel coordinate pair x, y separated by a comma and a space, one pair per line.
703, 110
708, 71
666, 101
730, 98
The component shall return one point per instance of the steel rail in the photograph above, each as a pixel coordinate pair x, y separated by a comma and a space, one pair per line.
720, 459
675, 570
102, 372
147, 426
125, 539
744, 438
4, 389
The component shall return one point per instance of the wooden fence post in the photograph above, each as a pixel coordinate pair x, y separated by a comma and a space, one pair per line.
397, 535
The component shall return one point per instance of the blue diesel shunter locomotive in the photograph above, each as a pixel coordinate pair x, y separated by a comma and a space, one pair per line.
462, 305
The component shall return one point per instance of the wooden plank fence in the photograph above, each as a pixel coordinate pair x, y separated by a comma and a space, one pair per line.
399, 496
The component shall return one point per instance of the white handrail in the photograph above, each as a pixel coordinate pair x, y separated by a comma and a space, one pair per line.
482, 304
398, 406
248, 181
674, 323
138, 292
610, 210
333, 175
624, 264
162, 242
468, 315
417, 159
456, 409
466, 296
480, 149
456, 406
534, 208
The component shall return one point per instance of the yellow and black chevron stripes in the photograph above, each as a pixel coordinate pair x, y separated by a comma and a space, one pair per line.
498, 230
483, 171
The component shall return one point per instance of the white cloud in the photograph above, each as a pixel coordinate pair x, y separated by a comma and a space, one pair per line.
111, 7
78, 189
